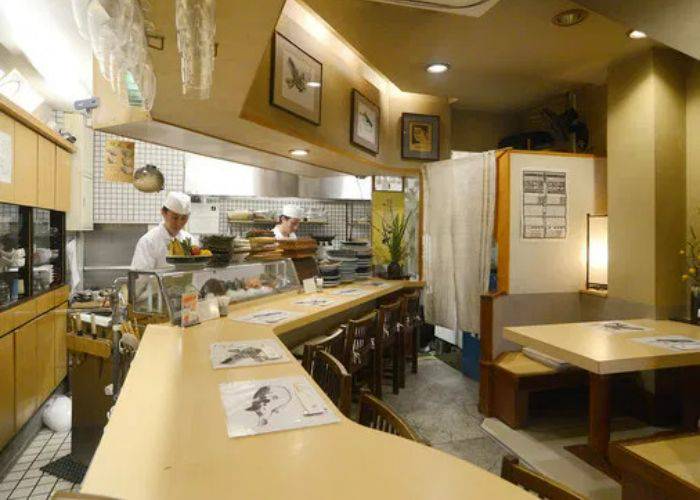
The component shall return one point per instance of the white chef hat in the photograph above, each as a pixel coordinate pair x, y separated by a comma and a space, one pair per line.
292, 211
179, 203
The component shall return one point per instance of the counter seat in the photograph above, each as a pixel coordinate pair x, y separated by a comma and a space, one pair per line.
167, 435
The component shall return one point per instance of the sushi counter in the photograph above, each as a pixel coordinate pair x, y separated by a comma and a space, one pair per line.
170, 434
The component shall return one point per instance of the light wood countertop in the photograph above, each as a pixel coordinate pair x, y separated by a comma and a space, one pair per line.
603, 352
167, 435
679, 456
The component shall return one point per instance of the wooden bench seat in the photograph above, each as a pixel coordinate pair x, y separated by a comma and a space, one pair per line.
515, 376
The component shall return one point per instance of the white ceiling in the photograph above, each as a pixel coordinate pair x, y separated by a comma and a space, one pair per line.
508, 59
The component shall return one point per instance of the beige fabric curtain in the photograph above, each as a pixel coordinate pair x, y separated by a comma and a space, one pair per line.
460, 199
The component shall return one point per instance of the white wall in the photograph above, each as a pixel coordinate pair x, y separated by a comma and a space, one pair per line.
551, 266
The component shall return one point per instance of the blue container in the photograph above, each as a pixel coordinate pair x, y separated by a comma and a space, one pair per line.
471, 349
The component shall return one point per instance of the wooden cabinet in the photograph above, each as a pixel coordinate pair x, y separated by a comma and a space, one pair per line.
60, 295
46, 356
24, 312
26, 382
63, 178
7, 131
44, 302
60, 351
46, 187
7, 388
26, 170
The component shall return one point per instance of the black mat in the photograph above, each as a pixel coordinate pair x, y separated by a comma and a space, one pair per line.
67, 469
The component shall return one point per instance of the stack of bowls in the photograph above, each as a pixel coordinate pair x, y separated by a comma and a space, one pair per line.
330, 272
363, 254
348, 264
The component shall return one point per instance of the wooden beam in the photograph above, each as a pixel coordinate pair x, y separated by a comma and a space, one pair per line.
29, 120
502, 225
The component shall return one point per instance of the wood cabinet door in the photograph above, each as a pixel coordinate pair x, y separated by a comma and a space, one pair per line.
26, 382
26, 154
7, 133
45, 356
7, 388
60, 350
46, 183
63, 179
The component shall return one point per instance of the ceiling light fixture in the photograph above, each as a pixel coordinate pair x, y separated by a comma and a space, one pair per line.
437, 68
298, 152
569, 17
636, 34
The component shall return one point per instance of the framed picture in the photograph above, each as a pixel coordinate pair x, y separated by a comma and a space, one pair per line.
420, 136
391, 183
295, 81
364, 123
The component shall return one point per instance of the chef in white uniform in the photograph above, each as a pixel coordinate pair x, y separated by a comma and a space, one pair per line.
288, 223
152, 247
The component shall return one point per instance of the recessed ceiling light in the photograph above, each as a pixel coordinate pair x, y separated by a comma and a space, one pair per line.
314, 85
569, 17
636, 34
437, 68
298, 152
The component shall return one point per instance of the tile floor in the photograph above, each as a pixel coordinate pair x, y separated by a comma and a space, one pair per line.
26, 480
440, 403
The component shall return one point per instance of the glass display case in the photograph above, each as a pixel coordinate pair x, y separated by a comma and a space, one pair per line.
157, 295
47, 250
14, 244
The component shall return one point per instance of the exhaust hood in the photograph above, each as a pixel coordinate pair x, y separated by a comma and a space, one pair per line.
471, 8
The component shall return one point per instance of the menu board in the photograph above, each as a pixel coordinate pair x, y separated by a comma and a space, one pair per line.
544, 205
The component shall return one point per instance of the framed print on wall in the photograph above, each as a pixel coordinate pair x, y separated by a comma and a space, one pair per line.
391, 183
364, 123
420, 137
295, 80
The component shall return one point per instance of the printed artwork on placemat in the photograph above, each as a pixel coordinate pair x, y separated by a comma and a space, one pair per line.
119, 161
348, 292
673, 342
620, 326
262, 406
246, 353
267, 317
544, 205
315, 302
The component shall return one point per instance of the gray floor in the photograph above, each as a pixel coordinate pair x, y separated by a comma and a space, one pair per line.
441, 405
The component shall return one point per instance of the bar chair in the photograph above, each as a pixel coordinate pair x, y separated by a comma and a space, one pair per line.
358, 355
375, 414
542, 486
333, 343
389, 344
334, 379
411, 322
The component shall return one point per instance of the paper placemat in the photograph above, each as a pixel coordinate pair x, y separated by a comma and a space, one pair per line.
672, 342
620, 327
261, 406
267, 317
348, 291
246, 353
315, 302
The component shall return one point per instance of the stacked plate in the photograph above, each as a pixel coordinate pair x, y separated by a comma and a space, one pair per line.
363, 253
348, 264
330, 272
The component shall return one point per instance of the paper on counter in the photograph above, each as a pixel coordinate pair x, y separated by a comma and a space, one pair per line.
620, 327
375, 284
315, 302
673, 342
348, 292
267, 317
261, 406
246, 353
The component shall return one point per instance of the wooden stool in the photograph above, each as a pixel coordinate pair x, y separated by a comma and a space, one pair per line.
515, 376
358, 354
411, 323
390, 344
333, 378
377, 415
333, 343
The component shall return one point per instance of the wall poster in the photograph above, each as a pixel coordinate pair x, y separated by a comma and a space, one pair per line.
5, 158
119, 161
544, 205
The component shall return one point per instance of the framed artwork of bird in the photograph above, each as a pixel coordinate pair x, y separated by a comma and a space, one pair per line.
364, 123
296, 80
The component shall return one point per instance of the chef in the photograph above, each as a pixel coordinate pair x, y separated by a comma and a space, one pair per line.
288, 223
152, 247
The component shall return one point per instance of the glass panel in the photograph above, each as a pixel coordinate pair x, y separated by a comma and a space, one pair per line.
14, 240
47, 255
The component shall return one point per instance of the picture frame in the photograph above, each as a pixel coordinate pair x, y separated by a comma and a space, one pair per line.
296, 80
420, 137
365, 122
388, 183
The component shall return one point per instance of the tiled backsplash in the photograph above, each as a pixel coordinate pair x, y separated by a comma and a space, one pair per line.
119, 203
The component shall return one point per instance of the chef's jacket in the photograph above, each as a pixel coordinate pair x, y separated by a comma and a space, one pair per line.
280, 236
152, 248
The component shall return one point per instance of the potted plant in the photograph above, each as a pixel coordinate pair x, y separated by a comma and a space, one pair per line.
691, 253
393, 234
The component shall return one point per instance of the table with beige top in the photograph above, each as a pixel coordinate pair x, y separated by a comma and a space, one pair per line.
603, 353
167, 435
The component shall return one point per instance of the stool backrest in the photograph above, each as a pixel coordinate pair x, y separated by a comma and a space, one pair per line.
334, 343
333, 378
410, 308
359, 340
377, 415
390, 319
512, 471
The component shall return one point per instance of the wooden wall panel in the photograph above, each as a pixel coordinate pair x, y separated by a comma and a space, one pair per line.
7, 388
26, 170
60, 352
45, 353
46, 188
7, 190
63, 177
26, 382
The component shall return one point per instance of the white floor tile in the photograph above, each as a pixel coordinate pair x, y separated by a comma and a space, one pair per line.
32, 473
42, 488
41, 496
20, 467
4, 495
48, 479
12, 476
28, 483
20, 493
8, 485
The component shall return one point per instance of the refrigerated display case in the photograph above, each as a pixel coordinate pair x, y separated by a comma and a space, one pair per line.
14, 245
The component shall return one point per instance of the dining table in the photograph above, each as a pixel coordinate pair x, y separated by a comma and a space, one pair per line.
606, 348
